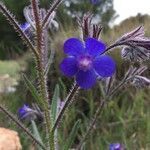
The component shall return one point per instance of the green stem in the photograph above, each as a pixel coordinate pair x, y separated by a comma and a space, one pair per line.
99, 111
16, 26
55, 4
17, 122
67, 102
91, 126
41, 76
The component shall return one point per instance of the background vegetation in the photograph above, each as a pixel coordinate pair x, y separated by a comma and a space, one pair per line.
124, 120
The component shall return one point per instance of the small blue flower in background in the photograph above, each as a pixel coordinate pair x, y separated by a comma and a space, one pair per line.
28, 30
116, 146
86, 62
25, 26
26, 112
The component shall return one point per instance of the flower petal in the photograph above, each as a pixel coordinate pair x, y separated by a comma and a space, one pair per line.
94, 47
105, 66
73, 47
86, 79
69, 66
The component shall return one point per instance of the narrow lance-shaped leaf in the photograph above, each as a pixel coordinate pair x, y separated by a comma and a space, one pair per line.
36, 133
33, 90
72, 136
50, 61
63, 87
54, 106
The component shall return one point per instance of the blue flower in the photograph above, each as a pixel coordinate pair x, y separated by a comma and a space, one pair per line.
116, 146
86, 62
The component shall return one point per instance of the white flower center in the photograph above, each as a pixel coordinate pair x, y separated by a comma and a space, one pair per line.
85, 63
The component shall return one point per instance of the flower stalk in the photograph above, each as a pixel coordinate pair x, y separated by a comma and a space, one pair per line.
68, 100
52, 8
10, 17
41, 76
91, 126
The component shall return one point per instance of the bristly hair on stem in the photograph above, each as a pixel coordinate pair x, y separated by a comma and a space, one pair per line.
11, 18
68, 100
92, 123
131, 74
88, 28
43, 91
53, 7
19, 124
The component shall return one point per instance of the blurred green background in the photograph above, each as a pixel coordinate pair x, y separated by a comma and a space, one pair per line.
126, 119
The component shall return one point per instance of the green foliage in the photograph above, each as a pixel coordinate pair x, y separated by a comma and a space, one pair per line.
125, 119
36, 133
11, 45
33, 91
6, 68
55, 102
72, 136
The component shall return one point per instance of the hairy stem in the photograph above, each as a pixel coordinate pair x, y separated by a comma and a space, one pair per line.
113, 46
67, 102
19, 124
41, 76
91, 126
17, 28
55, 4
99, 111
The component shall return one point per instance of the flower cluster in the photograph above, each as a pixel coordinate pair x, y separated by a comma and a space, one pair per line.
86, 62
89, 29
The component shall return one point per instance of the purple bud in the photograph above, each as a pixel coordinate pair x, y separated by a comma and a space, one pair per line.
137, 45
136, 53
140, 81
137, 33
88, 28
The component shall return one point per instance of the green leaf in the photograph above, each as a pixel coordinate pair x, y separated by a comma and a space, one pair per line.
72, 136
33, 90
63, 87
55, 102
50, 61
36, 133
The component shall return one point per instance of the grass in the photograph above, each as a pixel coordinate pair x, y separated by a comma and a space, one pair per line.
9, 67
10, 73
124, 120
